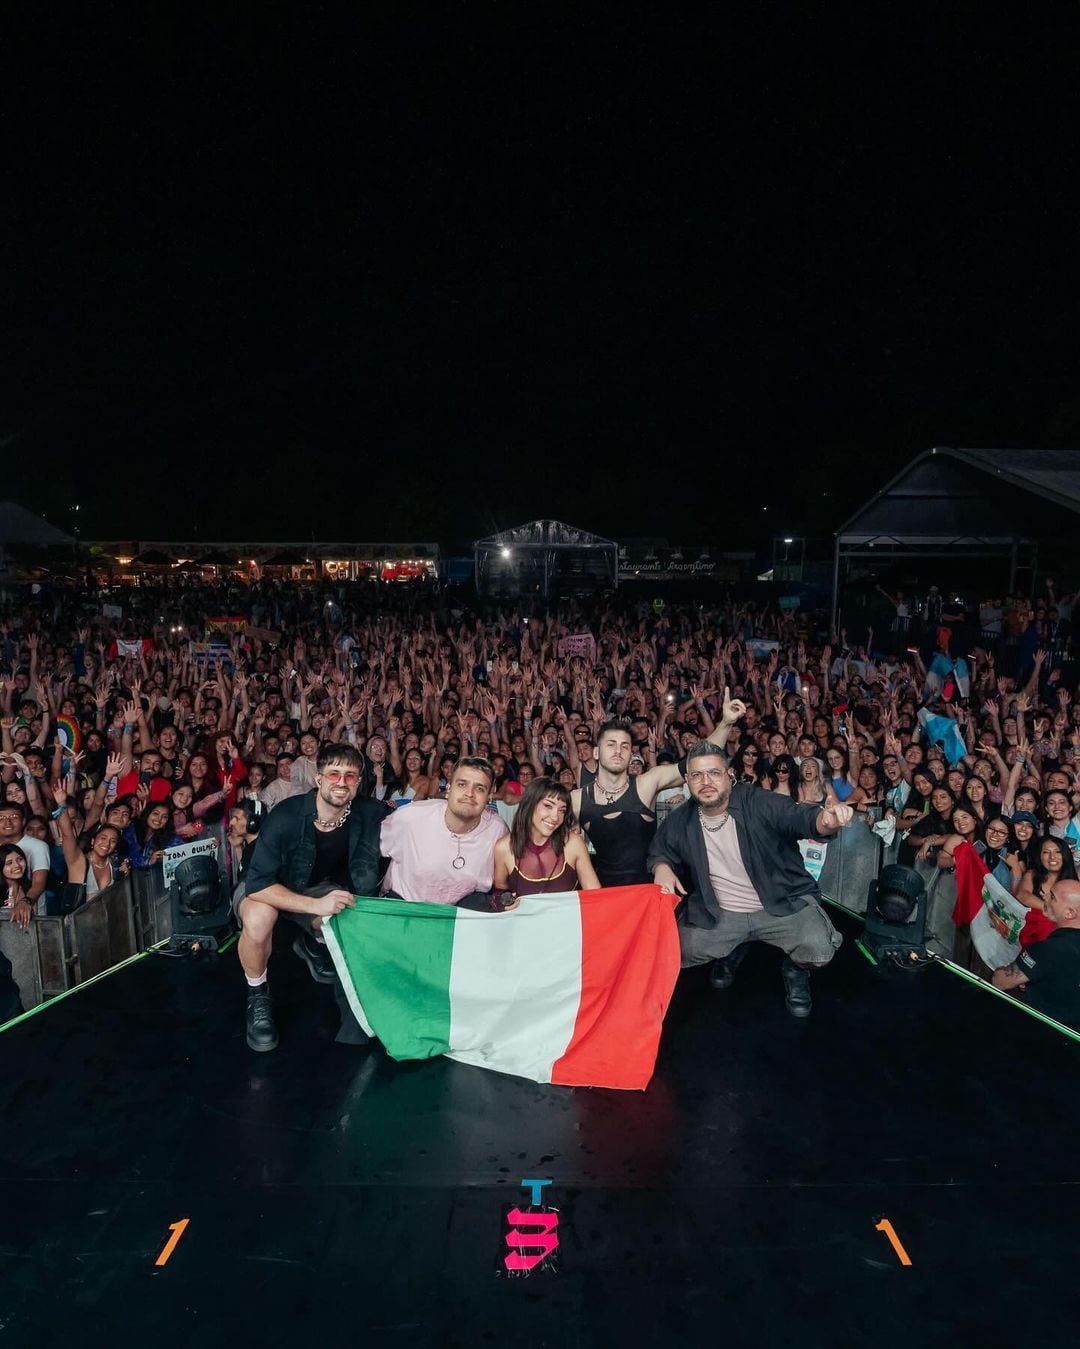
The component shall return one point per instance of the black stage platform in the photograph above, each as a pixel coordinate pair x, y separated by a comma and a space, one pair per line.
334, 1196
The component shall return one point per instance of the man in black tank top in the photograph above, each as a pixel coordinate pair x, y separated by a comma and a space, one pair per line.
618, 812
620, 827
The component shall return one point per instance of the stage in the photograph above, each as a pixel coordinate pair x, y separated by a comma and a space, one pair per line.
742, 1199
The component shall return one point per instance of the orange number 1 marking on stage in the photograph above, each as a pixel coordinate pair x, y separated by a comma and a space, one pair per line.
887, 1227
177, 1230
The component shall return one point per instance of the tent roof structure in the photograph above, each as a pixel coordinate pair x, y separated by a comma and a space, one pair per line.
966, 502
544, 534
966, 496
20, 526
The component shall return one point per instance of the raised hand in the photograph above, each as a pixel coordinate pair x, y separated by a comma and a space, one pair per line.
734, 708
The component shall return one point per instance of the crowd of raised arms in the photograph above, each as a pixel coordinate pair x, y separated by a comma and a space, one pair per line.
175, 736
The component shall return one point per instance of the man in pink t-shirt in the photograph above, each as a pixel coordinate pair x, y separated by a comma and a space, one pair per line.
442, 852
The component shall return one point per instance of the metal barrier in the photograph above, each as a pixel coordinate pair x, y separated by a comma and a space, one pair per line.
56, 953
940, 902
852, 861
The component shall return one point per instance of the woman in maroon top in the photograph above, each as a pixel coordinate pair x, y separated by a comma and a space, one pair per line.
541, 855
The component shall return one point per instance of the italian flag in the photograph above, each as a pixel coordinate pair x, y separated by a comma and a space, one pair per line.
567, 988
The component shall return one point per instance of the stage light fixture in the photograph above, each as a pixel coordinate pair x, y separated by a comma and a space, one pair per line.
896, 915
201, 910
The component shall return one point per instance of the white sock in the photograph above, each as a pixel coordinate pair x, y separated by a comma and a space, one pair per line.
256, 983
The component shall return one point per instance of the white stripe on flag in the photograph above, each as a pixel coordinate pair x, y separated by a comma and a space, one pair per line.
515, 988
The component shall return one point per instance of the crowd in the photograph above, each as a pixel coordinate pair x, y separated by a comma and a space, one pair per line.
123, 736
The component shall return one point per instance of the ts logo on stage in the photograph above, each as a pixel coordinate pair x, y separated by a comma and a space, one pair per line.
532, 1235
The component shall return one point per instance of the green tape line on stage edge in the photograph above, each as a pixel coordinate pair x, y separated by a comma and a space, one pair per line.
51, 1002
852, 913
964, 974
1013, 1002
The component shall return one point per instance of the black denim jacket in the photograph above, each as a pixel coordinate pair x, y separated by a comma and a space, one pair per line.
285, 850
767, 826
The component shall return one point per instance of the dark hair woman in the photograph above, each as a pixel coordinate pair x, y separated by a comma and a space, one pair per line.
932, 830
784, 775
747, 764
541, 855
1053, 863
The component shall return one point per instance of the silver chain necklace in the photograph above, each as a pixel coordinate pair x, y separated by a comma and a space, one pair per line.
328, 826
712, 828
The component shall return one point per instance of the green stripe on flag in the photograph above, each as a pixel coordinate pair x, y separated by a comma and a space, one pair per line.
385, 946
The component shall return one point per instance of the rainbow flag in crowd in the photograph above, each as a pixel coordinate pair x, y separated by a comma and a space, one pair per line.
566, 988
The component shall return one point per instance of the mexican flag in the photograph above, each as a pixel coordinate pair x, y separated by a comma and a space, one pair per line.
567, 988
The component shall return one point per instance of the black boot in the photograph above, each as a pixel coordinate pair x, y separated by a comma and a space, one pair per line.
317, 958
722, 974
796, 989
261, 1031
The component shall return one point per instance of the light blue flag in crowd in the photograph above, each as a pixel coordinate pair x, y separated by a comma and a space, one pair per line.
943, 731
939, 670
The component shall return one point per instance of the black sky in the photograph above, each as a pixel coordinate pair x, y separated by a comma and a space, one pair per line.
437, 269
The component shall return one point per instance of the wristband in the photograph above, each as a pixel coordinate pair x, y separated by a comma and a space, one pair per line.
58, 812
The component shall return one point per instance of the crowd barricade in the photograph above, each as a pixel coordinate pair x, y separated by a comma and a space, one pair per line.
56, 953
940, 902
852, 860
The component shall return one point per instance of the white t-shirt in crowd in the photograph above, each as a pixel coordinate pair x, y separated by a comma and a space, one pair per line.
36, 853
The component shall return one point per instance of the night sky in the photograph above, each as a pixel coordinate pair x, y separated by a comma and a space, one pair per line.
438, 269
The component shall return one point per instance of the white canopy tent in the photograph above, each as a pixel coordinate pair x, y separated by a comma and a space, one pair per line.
542, 555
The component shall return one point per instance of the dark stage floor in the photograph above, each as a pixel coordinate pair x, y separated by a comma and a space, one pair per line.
331, 1192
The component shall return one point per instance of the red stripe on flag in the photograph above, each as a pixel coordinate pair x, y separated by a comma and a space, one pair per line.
970, 870
629, 963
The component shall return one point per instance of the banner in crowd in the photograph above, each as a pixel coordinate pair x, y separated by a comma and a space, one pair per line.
172, 857
269, 635
986, 907
995, 929
127, 646
566, 988
219, 652
226, 623
112, 611
761, 646
580, 644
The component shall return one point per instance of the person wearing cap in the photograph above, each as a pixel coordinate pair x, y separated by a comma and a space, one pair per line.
1048, 972
508, 800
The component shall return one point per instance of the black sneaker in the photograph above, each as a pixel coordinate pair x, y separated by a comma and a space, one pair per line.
796, 989
261, 1031
318, 959
722, 974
